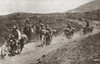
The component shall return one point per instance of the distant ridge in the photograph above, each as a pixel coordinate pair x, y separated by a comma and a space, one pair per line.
93, 5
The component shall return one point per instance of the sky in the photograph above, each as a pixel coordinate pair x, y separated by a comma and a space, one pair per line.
39, 6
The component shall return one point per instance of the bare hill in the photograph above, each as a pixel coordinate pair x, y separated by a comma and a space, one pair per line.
93, 5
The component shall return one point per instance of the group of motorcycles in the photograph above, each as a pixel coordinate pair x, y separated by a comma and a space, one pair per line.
15, 46
68, 33
87, 30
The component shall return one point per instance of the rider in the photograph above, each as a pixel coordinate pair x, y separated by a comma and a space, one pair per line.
41, 23
48, 34
87, 23
47, 28
27, 22
69, 26
16, 33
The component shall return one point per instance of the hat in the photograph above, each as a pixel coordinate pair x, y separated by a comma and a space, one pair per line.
14, 27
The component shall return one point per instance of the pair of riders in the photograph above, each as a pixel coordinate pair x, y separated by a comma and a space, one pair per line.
15, 32
45, 30
86, 25
43, 26
40, 26
69, 30
16, 35
88, 28
46, 34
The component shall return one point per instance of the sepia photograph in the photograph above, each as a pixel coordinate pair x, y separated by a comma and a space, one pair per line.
49, 31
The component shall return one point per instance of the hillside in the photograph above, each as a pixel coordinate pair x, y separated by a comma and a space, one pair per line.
93, 5
92, 15
56, 20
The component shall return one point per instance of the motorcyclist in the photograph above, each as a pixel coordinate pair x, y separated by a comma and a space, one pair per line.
16, 33
87, 23
47, 28
69, 26
41, 24
48, 34
27, 22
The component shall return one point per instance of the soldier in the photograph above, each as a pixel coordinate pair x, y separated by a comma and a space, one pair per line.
87, 23
47, 28
69, 26
27, 22
41, 22
16, 33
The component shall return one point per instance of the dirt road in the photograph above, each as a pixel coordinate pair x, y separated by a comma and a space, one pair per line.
32, 51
